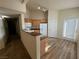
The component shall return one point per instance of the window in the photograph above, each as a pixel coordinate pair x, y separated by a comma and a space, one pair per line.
70, 27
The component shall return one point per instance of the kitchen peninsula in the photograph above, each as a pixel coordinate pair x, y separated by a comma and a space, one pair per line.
33, 44
34, 36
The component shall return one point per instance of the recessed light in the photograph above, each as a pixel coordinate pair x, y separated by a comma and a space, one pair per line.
39, 7
5, 16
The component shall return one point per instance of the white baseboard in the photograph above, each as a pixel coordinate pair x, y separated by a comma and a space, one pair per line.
73, 40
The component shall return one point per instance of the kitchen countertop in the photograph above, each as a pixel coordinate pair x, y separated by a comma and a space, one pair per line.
35, 29
35, 34
32, 33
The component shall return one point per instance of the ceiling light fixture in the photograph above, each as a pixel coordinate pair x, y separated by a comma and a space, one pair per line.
39, 7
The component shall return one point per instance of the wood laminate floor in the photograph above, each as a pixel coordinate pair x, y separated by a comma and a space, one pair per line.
60, 49
14, 50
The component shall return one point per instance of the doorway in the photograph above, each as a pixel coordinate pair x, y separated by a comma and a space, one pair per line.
12, 28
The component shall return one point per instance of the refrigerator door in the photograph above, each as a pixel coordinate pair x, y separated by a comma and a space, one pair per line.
43, 29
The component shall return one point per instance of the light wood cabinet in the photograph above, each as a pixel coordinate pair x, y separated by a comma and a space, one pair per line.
36, 22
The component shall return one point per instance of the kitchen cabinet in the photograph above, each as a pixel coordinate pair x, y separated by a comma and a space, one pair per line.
38, 25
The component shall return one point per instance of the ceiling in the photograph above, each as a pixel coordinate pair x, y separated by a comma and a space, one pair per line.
58, 4
33, 5
5, 11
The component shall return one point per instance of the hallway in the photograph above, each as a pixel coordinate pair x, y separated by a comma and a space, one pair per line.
60, 49
14, 50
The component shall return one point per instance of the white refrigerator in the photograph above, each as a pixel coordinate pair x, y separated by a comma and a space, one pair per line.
43, 29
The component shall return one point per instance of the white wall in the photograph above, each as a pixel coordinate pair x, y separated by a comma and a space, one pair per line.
32, 44
14, 5
77, 38
29, 43
52, 22
21, 17
27, 15
63, 14
2, 34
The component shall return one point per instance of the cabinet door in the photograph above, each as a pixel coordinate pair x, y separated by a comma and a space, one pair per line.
36, 23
